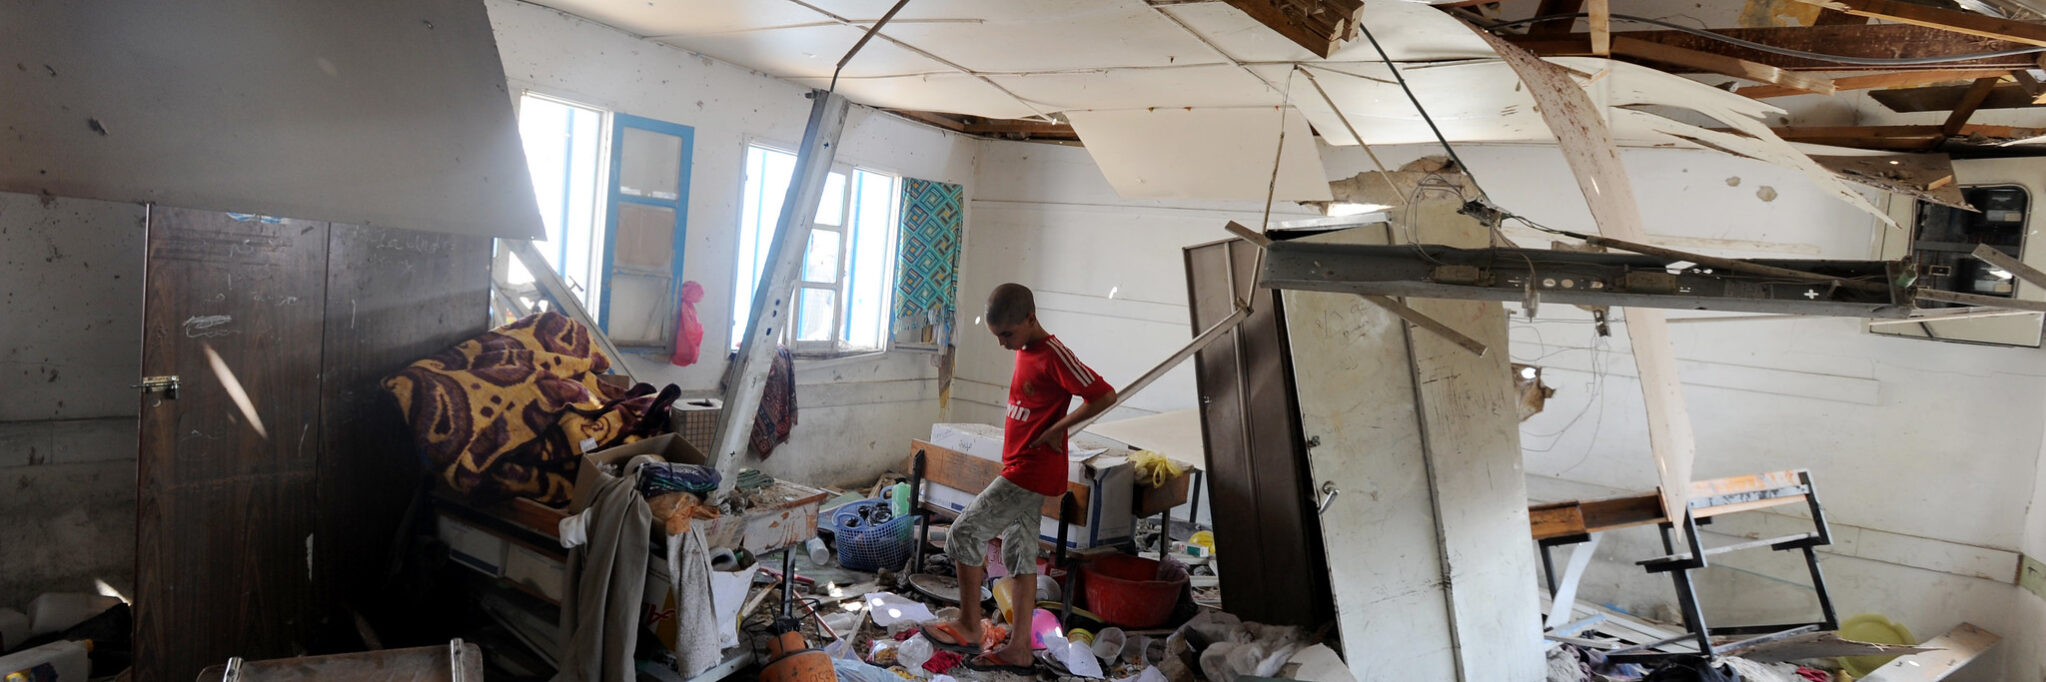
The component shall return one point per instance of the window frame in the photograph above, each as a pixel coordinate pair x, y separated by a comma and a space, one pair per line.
586, 291
615, 197
835, 345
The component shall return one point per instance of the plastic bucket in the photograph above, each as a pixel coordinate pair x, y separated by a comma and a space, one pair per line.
1126, 591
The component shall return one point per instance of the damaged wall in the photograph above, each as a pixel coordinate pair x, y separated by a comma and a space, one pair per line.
856, 414
1924, 454
71, 293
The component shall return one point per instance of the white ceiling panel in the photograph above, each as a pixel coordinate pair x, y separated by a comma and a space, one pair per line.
1104, 38
948, 92
1409, 32
997, 12
1198, 86
1203, 153
657, 18
811, 51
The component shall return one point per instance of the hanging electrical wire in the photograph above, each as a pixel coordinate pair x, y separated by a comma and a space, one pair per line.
1772, 49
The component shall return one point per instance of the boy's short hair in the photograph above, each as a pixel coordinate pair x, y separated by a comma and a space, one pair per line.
1010, 304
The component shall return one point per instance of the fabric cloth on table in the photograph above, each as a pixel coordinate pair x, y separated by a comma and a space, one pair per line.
777, 415
508, 413
607, 579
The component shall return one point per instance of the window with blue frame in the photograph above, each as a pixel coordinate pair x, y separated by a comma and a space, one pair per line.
844, 285
613, 191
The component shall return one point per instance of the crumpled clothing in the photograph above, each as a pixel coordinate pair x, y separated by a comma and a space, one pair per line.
1693, 671
677, 511
943, 661
777, 415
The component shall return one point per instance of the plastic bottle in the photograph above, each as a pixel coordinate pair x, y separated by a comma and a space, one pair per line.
913, 653
60, 661
898, 499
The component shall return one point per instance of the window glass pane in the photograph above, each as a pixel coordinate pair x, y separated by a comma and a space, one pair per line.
814, 312
831, 208
873, 260
562, 157
642, 309
650, 164
820, 264
767, 184
646, 238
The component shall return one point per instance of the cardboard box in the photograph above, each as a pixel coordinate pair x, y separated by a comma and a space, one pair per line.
759, 531
667, 446
1108, 479
474, 547
538, 572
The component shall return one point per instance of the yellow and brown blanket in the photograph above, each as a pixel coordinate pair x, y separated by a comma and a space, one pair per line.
508, 413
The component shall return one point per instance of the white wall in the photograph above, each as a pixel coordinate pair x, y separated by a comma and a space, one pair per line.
71, 293
1925, 454
855, 416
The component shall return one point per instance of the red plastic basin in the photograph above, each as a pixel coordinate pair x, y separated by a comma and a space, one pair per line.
1125, 591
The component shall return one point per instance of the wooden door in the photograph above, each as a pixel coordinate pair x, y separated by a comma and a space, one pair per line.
1256, 462
226, 492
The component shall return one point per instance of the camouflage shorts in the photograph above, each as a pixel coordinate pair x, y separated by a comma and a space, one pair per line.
1003, 510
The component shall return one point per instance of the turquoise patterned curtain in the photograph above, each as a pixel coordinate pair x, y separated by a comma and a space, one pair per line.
927, 274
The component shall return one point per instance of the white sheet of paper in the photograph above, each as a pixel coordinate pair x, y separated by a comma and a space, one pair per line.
888, 608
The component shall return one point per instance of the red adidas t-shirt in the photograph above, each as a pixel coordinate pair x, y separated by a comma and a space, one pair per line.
1046, 379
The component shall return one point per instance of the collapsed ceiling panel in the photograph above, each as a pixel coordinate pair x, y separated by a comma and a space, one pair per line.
1408, 31
812, 51
1131, 37
974, 10
660, 18
1193, 86
1204, 153
1471, 101
949, 92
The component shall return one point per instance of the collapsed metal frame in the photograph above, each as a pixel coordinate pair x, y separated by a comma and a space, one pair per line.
1846, 288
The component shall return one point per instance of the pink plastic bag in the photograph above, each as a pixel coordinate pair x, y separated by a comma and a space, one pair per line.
688, 332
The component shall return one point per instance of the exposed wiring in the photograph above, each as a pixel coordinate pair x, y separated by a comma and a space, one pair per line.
1772, 49
1430, 120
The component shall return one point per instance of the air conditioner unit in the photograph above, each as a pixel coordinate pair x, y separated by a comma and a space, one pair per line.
1940, 238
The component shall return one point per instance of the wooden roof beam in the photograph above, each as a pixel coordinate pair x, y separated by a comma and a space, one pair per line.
1969, 103
1875, 41
1871, 81
1321, 26
1720, 64
1968, 23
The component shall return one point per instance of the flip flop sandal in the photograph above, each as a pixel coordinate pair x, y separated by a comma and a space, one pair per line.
976, 664
958, 644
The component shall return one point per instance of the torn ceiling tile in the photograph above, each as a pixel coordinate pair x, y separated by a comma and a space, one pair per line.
1192, 86
1204, 153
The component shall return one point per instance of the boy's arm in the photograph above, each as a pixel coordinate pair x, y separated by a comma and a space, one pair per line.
1057, 433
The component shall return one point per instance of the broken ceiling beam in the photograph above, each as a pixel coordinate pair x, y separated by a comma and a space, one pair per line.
2017, 268
1721, 64
1899, 137
1882, 41
1950, 97
2031, 85
1601, 23
1556, 27
1008, 129
1502, 274
1321, 26
1970, 101
1929, 177
1875, 80
1957, 21
1979, 300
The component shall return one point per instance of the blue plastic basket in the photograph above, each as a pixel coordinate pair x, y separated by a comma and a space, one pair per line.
868, 548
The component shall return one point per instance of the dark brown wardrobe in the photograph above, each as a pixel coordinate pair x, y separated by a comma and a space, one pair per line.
1268, 537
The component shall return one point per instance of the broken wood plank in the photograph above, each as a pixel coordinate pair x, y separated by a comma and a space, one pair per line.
1594, 160
2031, 85
1872, 41
1721, 64
1954, 649
961, 471
1550, 8
1968, 23
1601, 23
1556, 520
1929, 177
1950, 97
1213, 332
1321, 29
1833, 17
1969, 102
1873, 81
1993, 256
1422, 320
1899, 137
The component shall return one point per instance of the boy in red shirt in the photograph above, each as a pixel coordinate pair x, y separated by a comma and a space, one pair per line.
1047, 377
